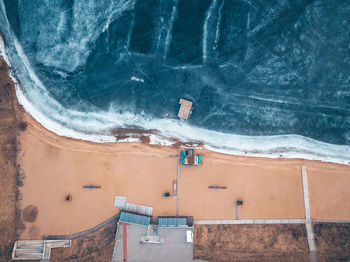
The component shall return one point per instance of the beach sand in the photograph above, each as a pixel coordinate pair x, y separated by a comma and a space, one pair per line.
329, 192
55, 166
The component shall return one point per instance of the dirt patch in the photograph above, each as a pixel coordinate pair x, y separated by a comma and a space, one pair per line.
251, 243
332, 241
97, 246
22, 126
34, 232
30, 213
145, 139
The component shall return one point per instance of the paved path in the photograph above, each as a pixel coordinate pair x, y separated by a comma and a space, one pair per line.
306, 192
309, 229
250, 221
330, 221
178, 183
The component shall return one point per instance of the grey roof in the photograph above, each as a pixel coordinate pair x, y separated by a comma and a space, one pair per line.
139, 209
119, 202
134, 219
172, 222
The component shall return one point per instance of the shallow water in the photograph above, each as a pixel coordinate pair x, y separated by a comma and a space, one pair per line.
256, 68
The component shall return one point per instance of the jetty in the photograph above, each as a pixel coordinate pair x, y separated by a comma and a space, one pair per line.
185, 109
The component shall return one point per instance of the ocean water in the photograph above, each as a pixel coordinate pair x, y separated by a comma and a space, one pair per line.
268, 77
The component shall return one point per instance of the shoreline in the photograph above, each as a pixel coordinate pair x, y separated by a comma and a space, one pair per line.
156, 138
170, 132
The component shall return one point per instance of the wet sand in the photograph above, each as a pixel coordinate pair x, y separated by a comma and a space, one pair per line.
270, 188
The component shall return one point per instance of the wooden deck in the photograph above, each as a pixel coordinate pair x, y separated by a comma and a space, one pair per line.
185, 109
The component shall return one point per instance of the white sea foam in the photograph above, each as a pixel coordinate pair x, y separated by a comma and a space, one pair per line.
170, 28
56, 127
205, 30
158, 140
3, 51
130, 32
129, 140
218, 24
134, 78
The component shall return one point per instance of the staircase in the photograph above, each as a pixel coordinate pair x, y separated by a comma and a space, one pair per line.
36, 249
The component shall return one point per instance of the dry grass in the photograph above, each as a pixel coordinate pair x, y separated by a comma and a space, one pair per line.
10, 176
97, 246
251, 243
30, 213
332, 241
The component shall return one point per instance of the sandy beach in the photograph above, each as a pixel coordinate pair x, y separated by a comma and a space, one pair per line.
100, 99
270, 188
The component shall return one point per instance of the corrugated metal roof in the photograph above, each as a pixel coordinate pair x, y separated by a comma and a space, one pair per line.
139, 209
134, 219
172, 222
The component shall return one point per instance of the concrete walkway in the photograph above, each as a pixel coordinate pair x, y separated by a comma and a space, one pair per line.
309, 229
250, 221
330, 221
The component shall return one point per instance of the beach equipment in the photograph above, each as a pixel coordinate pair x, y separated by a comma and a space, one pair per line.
238, 203
217, 187
189, 158
91, 186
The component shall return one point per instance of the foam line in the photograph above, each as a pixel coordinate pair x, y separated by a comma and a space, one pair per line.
205, 30
170, 29
218, 24
3, 53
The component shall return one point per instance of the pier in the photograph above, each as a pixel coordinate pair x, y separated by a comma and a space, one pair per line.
185, 109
